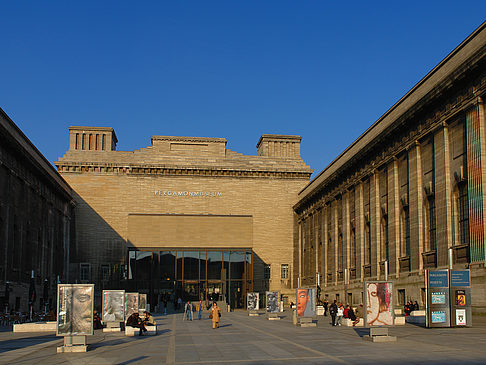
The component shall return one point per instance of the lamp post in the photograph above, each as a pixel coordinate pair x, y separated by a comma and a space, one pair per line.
345, 285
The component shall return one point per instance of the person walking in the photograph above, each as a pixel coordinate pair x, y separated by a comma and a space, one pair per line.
326, 305
333, 312
188, 311
215, 314
339, 314
199, 310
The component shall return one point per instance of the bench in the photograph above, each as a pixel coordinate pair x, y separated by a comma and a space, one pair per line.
134, 331
35, 327
349, 323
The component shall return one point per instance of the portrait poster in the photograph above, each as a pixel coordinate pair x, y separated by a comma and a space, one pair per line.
272, 301
113, 306
460, 317
131, 304
461, 298
378, 304
75, 309
142, 303
253, 301
306, 302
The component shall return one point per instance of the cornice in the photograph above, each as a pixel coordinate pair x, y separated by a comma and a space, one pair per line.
144, 170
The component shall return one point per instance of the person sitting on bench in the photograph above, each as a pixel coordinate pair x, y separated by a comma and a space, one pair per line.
135, 321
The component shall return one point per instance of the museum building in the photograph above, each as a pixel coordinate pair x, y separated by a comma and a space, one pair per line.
408, 195
185, 216
36, 222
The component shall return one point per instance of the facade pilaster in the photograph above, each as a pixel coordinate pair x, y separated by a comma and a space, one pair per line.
476, 175
335, 223
360, 231
325, 241
443, 195
375, 214
346, 232
416, 208
393, 217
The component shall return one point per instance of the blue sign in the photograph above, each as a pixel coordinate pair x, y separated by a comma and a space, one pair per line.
460, 278
439, 279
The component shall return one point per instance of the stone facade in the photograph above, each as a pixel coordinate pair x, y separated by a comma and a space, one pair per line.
182, 192
408, 193
36, 211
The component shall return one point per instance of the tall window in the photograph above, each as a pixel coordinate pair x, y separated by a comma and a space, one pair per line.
284, 274
84, 272
266, 272
432, 225
463, 214
353, 248
406, 218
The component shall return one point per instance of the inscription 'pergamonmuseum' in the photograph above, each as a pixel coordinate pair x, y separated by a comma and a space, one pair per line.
195, 194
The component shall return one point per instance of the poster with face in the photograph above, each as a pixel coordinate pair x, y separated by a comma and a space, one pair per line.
306, 304
114, 305
272, 302
131, 304
378, 303
253, 301
142, 303
74, 309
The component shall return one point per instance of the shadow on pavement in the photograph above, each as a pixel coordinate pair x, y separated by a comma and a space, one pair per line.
362, 331
133, 360
17, 343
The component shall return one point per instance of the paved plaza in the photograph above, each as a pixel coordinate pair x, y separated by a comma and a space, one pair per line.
255, 340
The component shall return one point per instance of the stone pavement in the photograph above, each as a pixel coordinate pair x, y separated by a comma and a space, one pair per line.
255, 340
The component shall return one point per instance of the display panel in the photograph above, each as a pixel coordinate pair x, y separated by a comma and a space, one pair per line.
253, 301
75, 309
438, 297
306, 304
131, 304
113, 305
378, 303
142, 303
272, 301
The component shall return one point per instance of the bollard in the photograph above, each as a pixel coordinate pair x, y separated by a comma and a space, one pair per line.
294, 317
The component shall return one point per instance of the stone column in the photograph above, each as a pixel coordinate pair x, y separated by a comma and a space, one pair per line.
443, 195
346, 232
360, 231
393, 218
335, 223
375, 214
476, 177
300, 251
416, 208
325, 236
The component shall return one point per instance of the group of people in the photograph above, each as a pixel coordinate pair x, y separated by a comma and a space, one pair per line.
410, 307
135, 321
337, 311
189, 309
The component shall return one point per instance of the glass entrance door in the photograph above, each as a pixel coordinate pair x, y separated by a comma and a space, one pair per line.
214, 291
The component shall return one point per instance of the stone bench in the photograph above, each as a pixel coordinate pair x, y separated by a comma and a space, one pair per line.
415, 319
134, 331
417, 313
35, 327
349, 323
399, 320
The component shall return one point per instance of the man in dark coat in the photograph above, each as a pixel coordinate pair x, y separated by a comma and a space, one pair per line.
135, 321
333, 311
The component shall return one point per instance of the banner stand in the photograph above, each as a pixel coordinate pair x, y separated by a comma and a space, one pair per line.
76, 343
307, 322
112, 327
253, 313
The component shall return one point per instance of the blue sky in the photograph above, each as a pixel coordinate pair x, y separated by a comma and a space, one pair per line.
234, 69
